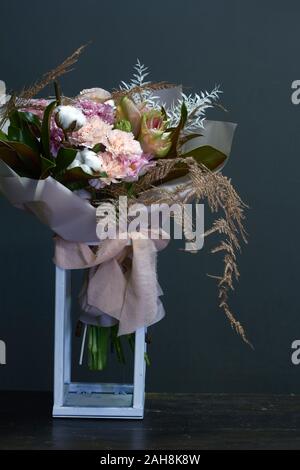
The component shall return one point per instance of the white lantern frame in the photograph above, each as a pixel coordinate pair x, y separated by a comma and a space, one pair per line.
91, 400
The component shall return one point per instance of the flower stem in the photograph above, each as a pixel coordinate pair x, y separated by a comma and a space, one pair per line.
57, 92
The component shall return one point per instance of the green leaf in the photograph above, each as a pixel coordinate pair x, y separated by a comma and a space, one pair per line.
123, 125
164, 113
31, 118
45, 132
98, 148
11, 158
147, 359
76, 175
175, 134
208, 156
3, 136
64, 158
30, 159
187, 138
15, 119
20, 130
47, 165
24, 136
130, 189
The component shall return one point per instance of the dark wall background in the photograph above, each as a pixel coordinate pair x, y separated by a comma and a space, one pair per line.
252, 49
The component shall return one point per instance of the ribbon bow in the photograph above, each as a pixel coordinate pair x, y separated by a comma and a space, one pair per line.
122, 280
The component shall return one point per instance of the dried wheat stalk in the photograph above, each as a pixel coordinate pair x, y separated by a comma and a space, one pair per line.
49, 77
27, 93
220, 195
138, 89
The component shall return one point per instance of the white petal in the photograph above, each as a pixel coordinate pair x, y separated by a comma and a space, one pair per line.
75, 164
2, 88
94, 162
86, 169
91, 159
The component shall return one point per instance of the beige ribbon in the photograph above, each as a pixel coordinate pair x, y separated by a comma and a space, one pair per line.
122, 280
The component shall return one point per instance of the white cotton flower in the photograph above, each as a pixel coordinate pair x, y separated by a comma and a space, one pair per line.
75, 164
88, 161
69, 118
86, 169
91, 159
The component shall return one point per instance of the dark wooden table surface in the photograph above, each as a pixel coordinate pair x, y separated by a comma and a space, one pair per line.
189, 421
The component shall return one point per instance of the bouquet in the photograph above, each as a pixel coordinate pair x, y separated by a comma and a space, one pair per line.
70, 160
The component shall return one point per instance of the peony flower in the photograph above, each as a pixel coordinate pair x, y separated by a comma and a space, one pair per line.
69, 118
153, 137
95, 94
120, 169
93, 132
88, 161
121, 143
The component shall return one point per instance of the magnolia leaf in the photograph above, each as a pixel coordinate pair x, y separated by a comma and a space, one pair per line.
14, 119
47, 165
77, 174
45, 132
64, 158
175, 134
186, 138
23, 135
30, 159
3, 136
30, 118
208, 156
11, 158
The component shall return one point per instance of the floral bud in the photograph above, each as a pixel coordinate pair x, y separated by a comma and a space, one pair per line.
95, 94
153, 138
127, 110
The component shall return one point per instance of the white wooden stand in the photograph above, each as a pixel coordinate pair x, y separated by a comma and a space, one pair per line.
91, 400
